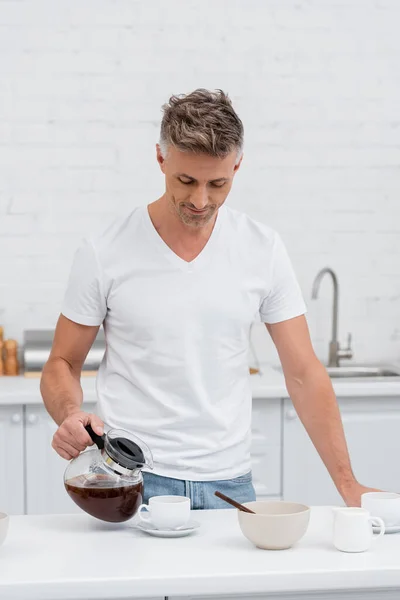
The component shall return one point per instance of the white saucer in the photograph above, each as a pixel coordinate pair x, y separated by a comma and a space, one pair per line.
171, 533
392, 529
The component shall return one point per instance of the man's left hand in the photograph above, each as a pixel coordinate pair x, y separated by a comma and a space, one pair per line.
352, 494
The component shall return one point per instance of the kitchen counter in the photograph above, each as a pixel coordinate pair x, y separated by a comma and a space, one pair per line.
62, 557
270, 384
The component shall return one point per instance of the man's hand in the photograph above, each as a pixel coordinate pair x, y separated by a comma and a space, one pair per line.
352, 494
71, 437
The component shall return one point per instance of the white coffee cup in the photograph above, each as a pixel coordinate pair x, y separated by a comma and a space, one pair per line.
166, 512
4, 522
385, 505
352, 529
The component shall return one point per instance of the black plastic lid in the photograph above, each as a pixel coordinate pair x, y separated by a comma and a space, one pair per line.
125, 452
122, 450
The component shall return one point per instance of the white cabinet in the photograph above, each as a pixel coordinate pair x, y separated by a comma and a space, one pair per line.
266, 447
45, 492
284, 461
12, 459
372, 427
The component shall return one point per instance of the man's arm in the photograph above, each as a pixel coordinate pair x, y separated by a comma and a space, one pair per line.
313, 397
61, 389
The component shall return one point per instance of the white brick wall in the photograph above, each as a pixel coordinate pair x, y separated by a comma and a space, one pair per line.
316, 83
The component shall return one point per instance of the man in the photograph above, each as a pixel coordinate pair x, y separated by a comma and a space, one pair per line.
177, 285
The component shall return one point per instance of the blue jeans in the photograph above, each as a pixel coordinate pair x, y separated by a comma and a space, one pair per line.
201, 493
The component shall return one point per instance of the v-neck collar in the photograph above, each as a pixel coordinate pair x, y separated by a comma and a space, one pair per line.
200, 259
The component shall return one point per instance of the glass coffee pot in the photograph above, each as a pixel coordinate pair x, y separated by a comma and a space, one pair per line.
107, 482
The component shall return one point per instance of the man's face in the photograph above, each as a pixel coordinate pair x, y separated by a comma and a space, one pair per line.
196, 184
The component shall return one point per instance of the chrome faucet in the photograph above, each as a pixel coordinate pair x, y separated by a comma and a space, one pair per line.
335, 352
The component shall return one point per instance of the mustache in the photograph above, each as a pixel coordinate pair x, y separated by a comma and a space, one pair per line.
185, 204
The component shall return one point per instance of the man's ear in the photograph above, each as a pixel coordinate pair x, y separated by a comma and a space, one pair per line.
160, 158
237, 166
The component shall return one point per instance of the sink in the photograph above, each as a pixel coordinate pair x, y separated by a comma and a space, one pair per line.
361, 372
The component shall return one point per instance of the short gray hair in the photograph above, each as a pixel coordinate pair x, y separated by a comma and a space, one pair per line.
202, 122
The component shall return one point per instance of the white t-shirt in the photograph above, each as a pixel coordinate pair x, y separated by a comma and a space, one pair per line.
175, 371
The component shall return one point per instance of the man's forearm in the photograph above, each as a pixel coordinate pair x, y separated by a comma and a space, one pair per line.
61, 389
315, 402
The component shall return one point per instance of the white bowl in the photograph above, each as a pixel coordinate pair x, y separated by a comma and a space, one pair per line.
276, 525
4, 521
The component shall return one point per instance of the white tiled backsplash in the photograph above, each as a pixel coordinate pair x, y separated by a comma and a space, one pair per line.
316, 84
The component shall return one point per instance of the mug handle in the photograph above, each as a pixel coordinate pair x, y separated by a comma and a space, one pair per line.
142, 516
378, 521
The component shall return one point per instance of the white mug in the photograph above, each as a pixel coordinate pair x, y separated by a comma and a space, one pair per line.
384, 504
166, 512
4, 522
352, 529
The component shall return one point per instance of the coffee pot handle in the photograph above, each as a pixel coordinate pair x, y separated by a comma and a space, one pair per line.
97, 439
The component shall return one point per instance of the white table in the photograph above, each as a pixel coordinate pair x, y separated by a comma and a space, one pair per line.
76, 557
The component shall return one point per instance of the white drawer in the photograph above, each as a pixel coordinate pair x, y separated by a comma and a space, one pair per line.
266, 447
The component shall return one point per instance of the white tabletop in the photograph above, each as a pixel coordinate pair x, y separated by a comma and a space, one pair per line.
74, 556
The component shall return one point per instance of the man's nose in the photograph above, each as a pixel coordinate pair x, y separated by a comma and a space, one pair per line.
200, 198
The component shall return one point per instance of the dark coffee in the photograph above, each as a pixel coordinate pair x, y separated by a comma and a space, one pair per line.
103, 500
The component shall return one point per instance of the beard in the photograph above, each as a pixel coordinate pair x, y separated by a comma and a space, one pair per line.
191, 219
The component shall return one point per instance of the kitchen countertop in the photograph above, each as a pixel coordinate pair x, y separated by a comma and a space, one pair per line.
269, 384
60, 557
